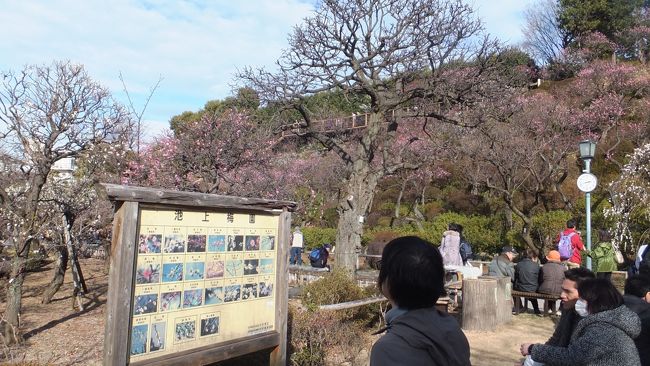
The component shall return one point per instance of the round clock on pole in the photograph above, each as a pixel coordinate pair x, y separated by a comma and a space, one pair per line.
587, 182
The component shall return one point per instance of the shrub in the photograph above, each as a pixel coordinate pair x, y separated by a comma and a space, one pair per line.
546, 227
376, 246
315, 333
432, 209
481, 231
335, 287
316, 236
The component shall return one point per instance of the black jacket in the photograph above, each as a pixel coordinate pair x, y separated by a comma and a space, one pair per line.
526, 275
564, 329
642, 309
422, 337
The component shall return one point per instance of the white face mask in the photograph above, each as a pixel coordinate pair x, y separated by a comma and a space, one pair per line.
581, 307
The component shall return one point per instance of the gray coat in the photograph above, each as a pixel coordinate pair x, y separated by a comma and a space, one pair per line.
601, 339
501, 266
421, 337
551, 276
564, 328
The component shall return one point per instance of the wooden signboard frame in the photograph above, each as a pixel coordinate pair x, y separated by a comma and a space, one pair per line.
129, 201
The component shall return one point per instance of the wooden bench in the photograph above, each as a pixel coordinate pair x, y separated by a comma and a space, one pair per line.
517, 296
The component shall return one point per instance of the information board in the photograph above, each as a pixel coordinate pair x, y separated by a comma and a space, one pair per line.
201, 277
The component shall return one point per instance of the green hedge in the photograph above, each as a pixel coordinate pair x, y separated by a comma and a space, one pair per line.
485, 233
316, 236
481, 231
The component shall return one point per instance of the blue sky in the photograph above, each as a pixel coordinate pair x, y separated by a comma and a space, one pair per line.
194, 45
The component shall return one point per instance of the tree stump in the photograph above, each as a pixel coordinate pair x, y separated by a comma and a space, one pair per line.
504, 300
487, 303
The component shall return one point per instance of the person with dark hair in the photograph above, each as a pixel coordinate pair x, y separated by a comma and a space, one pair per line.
638, 286
603, 256
465, 249
637, 298
569, 295
573, 259
318, 257
450, 246
642, 262
411, 276
501, 265
605, 335
527, 277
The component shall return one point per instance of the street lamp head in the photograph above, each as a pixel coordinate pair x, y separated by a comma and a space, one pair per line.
587, 149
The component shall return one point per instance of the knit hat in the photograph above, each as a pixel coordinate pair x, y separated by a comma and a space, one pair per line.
553, 255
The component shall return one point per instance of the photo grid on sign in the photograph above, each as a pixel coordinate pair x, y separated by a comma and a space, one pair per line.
185, 275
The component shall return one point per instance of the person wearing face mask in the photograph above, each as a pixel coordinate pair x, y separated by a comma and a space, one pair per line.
569, 295
603, 337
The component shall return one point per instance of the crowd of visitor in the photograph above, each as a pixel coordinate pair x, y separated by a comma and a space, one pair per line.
597, 325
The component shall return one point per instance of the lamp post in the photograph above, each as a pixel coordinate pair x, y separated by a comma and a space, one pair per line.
587, 182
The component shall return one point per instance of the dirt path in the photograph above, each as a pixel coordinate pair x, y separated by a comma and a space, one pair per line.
56, 334
502, 346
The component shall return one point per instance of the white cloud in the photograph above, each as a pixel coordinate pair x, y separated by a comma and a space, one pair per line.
195, 46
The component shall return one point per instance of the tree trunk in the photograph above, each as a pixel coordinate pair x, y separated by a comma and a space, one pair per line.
352, 209
27, 233
77, 276
486, 303
14, 299
398, 203
59, 275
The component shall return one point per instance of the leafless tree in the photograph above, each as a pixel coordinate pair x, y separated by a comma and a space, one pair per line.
524, 159
543, 37
395, 53
47, 113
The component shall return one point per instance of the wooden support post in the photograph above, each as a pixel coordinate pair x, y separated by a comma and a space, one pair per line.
278, 356
118, 305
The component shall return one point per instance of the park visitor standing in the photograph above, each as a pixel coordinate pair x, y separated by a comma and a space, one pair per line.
569, 244
296, 247
450, 246
411, 277
603, 256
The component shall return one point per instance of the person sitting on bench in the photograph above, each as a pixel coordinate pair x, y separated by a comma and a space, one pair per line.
551, 276
527, 277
